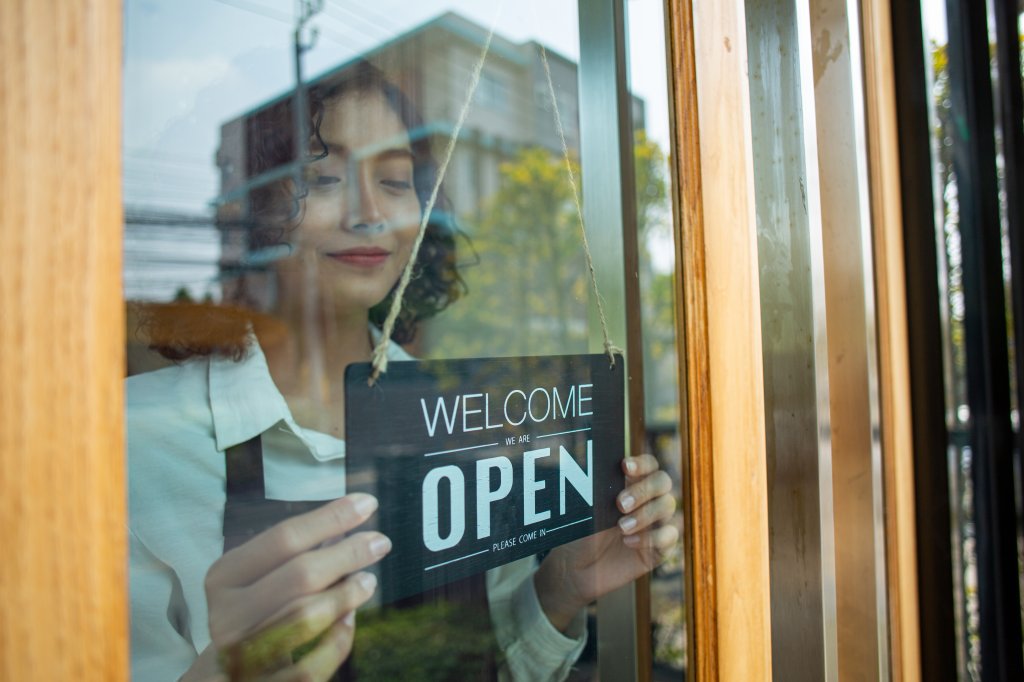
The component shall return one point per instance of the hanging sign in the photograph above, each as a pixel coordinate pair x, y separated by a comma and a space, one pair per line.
477, 463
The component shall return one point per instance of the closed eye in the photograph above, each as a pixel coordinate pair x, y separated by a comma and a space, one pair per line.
325, 180
398, 185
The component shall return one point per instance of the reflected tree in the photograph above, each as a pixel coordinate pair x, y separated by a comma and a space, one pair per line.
528, 284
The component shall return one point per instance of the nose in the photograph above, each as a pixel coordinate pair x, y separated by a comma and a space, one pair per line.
365, 212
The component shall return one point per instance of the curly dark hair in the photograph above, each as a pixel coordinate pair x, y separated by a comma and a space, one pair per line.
275, 207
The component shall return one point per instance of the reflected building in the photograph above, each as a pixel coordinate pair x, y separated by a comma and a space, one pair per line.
433, 65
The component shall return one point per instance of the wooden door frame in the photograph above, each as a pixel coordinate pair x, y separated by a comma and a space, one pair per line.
725, 483
64, 581
718, 311
62, 488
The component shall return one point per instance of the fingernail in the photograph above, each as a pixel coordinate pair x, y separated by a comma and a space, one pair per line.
630, 466
364, 504
350, 619
627, 523
380, 547
627, 502
367, 581
631, 540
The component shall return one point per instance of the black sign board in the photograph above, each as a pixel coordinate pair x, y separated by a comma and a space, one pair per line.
480, 462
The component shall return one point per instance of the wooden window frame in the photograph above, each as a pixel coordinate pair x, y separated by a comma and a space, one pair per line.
63, 584
62, 486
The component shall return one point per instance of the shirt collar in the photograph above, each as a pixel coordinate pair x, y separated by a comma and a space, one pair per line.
245, 402
243, 398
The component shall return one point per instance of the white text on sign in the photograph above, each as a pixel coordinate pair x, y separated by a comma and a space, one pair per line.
570, 474
538, 405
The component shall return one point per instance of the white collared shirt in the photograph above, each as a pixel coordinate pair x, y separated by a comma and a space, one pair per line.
180, 420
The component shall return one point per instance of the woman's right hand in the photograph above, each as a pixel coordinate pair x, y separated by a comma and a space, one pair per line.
291, 586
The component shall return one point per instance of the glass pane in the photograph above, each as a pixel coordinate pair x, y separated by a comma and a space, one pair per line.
951, 226
659, 280
281, 161
951, 283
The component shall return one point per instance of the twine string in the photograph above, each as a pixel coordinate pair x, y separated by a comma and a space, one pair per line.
609, 348
380, 353
380, 357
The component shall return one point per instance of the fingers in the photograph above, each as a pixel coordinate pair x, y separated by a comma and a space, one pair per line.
639, 466
644, 488
657, 510
656, 541
308, 623
317, 612
647, 499
286, 586
325, 658
316, 570
275, 546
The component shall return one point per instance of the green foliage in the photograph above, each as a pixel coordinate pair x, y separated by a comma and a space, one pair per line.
651, 184
436, 641
529, 292
657, 288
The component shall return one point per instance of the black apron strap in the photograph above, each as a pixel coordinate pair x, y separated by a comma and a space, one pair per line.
247, 511
243, 466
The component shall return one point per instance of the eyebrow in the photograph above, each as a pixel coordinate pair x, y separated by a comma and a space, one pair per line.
395, 153
384, 154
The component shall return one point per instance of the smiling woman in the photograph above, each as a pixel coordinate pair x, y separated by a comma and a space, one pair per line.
361, 213
266, 503
358, 197
256, 567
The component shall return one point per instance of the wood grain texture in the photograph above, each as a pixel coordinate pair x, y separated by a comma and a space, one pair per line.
694, 380
63, 583
893, 345
726, 487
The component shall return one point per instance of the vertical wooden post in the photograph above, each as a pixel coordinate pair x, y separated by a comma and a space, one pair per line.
63, 580
727, 525
893, 345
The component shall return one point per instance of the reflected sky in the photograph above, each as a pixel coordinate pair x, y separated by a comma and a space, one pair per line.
194, 64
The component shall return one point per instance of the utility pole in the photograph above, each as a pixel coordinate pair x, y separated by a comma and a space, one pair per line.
306, 10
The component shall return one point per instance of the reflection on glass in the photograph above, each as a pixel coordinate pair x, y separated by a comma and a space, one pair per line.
658, 278
267, 224
952, 314
959, 416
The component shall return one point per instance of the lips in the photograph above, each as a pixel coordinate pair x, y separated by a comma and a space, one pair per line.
362, 256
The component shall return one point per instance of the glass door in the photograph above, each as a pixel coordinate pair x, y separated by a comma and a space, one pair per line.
284, 164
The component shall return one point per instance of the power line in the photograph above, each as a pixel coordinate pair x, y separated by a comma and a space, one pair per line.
332, 9
256, 8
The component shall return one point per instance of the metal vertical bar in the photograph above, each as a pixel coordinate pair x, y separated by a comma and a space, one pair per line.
928, 403
606, 151
790, 256
852, 364
988, 392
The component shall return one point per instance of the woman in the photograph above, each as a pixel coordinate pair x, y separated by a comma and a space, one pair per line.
249, 404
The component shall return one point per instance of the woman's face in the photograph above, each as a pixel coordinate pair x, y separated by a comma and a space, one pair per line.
362, 212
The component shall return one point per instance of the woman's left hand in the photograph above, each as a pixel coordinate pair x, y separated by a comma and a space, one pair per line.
575, 574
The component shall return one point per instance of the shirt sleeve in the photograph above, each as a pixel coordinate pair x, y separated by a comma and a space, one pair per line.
160, 649
533, 648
